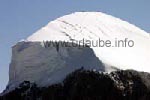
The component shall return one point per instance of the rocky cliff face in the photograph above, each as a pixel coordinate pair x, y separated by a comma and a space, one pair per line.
88, 85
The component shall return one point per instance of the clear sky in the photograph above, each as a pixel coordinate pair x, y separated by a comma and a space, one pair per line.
20, 18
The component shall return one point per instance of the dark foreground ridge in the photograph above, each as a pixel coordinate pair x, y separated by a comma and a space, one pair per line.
88, 85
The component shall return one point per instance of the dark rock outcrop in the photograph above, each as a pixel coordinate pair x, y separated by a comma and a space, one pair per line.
88, 85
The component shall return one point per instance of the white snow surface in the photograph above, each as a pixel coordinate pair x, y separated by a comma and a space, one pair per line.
32, 62
94, 25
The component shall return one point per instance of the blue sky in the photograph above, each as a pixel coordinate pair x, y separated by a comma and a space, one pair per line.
20, 18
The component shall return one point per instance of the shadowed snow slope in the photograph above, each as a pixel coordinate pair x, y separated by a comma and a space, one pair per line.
35, 63
32, 62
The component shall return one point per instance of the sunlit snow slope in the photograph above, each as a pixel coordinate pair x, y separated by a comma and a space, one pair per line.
94, 25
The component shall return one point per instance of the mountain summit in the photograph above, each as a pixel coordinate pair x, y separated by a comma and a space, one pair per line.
94, 25
35, 63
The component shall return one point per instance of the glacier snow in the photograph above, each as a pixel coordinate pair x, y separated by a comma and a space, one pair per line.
32, 62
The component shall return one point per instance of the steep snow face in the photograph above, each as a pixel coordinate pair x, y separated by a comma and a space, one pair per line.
94, 25
44, 66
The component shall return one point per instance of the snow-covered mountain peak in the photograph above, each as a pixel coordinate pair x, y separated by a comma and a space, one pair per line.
35, 63
94, 25
87, 25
